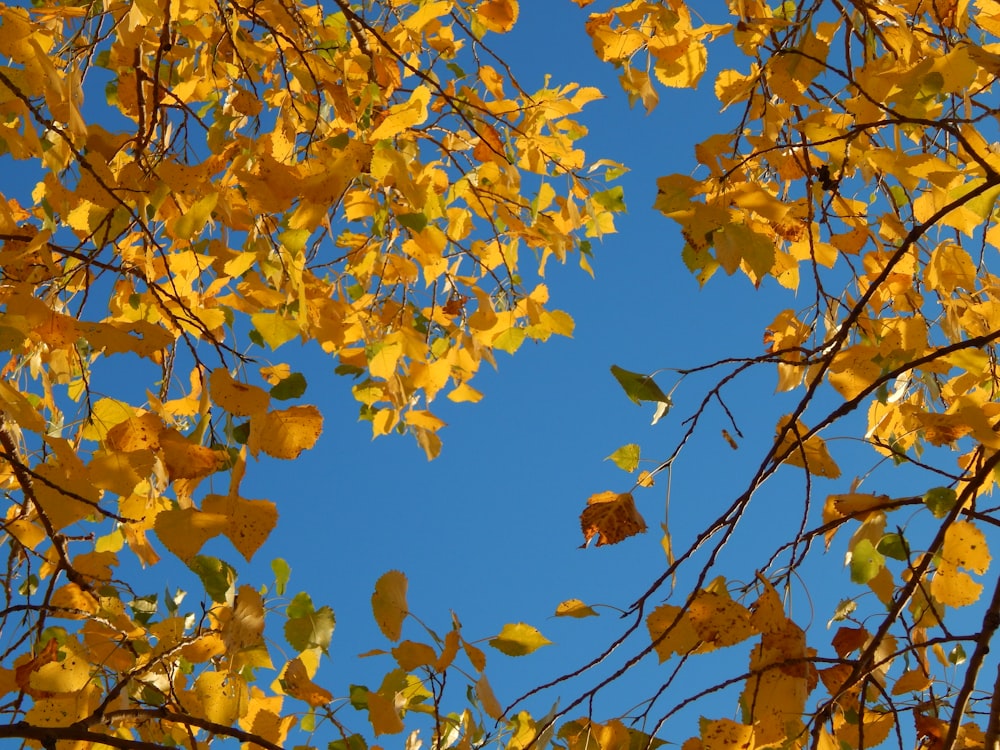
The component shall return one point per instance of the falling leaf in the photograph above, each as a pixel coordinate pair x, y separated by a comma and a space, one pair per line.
610, 516
518, 639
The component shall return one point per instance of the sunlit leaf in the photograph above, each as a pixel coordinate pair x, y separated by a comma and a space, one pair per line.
574, 608
611, 517
518, 639
389, 604
626, 458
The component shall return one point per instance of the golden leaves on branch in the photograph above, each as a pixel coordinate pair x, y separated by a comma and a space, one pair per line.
611, 517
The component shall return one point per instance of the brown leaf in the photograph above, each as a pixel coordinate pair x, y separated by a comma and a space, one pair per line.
610, 516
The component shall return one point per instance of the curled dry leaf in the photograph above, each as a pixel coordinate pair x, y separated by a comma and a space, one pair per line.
611, 517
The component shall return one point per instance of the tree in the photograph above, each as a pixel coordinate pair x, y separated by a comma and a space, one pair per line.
863, 174
338, 176
367, 177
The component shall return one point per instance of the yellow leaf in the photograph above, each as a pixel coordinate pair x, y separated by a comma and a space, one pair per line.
965, 547
238, 399
718, 620
184, 531
518, 639
64, 709
382, 362
854, 370
812, 456
685, 65
950, 267
464, 392
403, 116
274, 374
498, 15
285, 433
411, 655
274, 328
574, 608
67, 676
725, 734
671, 632
612, 517
389, 604
223, 696
248, 522
63, 497
383, 715
912, 681
187, 460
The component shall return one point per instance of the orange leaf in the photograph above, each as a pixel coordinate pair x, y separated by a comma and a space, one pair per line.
237, 398
298, 685
498, 15
612, 517
285, 433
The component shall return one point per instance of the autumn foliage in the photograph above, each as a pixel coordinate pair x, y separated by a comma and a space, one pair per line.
207, 182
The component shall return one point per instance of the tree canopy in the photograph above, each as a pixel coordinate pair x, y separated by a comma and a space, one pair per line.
210, 181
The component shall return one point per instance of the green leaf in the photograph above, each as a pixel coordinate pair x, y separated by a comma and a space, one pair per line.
626, 458
353, 742
308, 722
518, 639
640, 387
413, 222
866, 561
291, 387
143, 608
957, 655
940, 501
241, 432
216, 576
359, 697
844, 610
306, 626
611, 200
282, 572
895, 546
